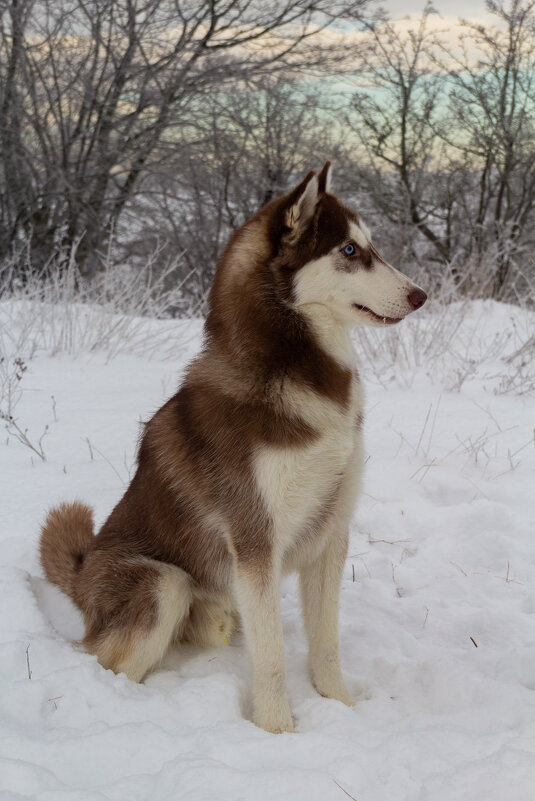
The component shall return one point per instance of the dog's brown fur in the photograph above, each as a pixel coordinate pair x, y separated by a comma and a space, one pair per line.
193, 533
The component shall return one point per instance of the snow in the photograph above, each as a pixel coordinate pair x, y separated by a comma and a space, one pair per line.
437, 607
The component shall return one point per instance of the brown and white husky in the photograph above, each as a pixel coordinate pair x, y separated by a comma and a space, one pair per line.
252, 469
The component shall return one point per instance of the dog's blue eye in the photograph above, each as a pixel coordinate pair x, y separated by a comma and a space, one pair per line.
349, 250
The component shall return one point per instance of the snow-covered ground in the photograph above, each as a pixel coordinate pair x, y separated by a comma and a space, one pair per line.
437, 604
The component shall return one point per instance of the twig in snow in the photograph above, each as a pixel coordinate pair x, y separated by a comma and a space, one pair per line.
403, 439
344, 791
128, 467
487, 411
513, 466
359, 556
56, 698
398, 591
526, 346
11, 375
507, 579
458, 568
94, 448
427, 466
388, 542
433, 424
528, 443
28, 662
424, 427
475, 643
13, 428
90, 448
110, 464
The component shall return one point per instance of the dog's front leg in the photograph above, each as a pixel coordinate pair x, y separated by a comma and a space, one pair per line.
320, 590
258, 596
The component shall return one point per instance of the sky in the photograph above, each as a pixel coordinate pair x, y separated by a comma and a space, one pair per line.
450, 12
474, 9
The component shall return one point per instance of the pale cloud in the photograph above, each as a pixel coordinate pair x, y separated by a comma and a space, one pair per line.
451, 10
447, 22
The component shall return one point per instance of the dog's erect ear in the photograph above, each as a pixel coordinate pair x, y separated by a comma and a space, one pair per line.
324, 178
302, 204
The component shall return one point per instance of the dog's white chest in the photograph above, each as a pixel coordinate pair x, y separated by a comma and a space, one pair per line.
295, 482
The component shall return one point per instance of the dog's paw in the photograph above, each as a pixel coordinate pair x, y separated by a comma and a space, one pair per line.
222, 627
210, 625
339, 694
274, 717
331, 684
275, 724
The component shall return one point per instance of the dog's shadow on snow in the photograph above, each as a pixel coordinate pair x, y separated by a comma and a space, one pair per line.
58, 609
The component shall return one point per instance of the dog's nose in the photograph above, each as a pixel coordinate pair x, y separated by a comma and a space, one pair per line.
416, 297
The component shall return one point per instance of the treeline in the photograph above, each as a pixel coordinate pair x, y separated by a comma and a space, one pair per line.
129, 127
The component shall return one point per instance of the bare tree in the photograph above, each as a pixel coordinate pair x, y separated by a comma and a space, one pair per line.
490, 131
92, 90
142, 126
392, 117
247, 147
446, 144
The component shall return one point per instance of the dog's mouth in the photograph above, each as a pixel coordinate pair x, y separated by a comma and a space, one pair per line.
379, 318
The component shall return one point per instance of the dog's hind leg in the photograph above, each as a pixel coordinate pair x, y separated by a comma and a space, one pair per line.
133, 608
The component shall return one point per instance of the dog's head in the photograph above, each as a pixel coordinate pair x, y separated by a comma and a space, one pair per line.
323, 256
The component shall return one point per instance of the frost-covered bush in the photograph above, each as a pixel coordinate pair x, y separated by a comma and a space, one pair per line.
58, 310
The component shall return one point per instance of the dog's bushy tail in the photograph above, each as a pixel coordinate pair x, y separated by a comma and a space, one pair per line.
66, 537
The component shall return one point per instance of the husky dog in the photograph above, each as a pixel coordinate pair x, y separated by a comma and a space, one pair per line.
252, 469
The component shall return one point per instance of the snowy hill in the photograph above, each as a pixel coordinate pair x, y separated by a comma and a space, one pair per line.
437, 604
